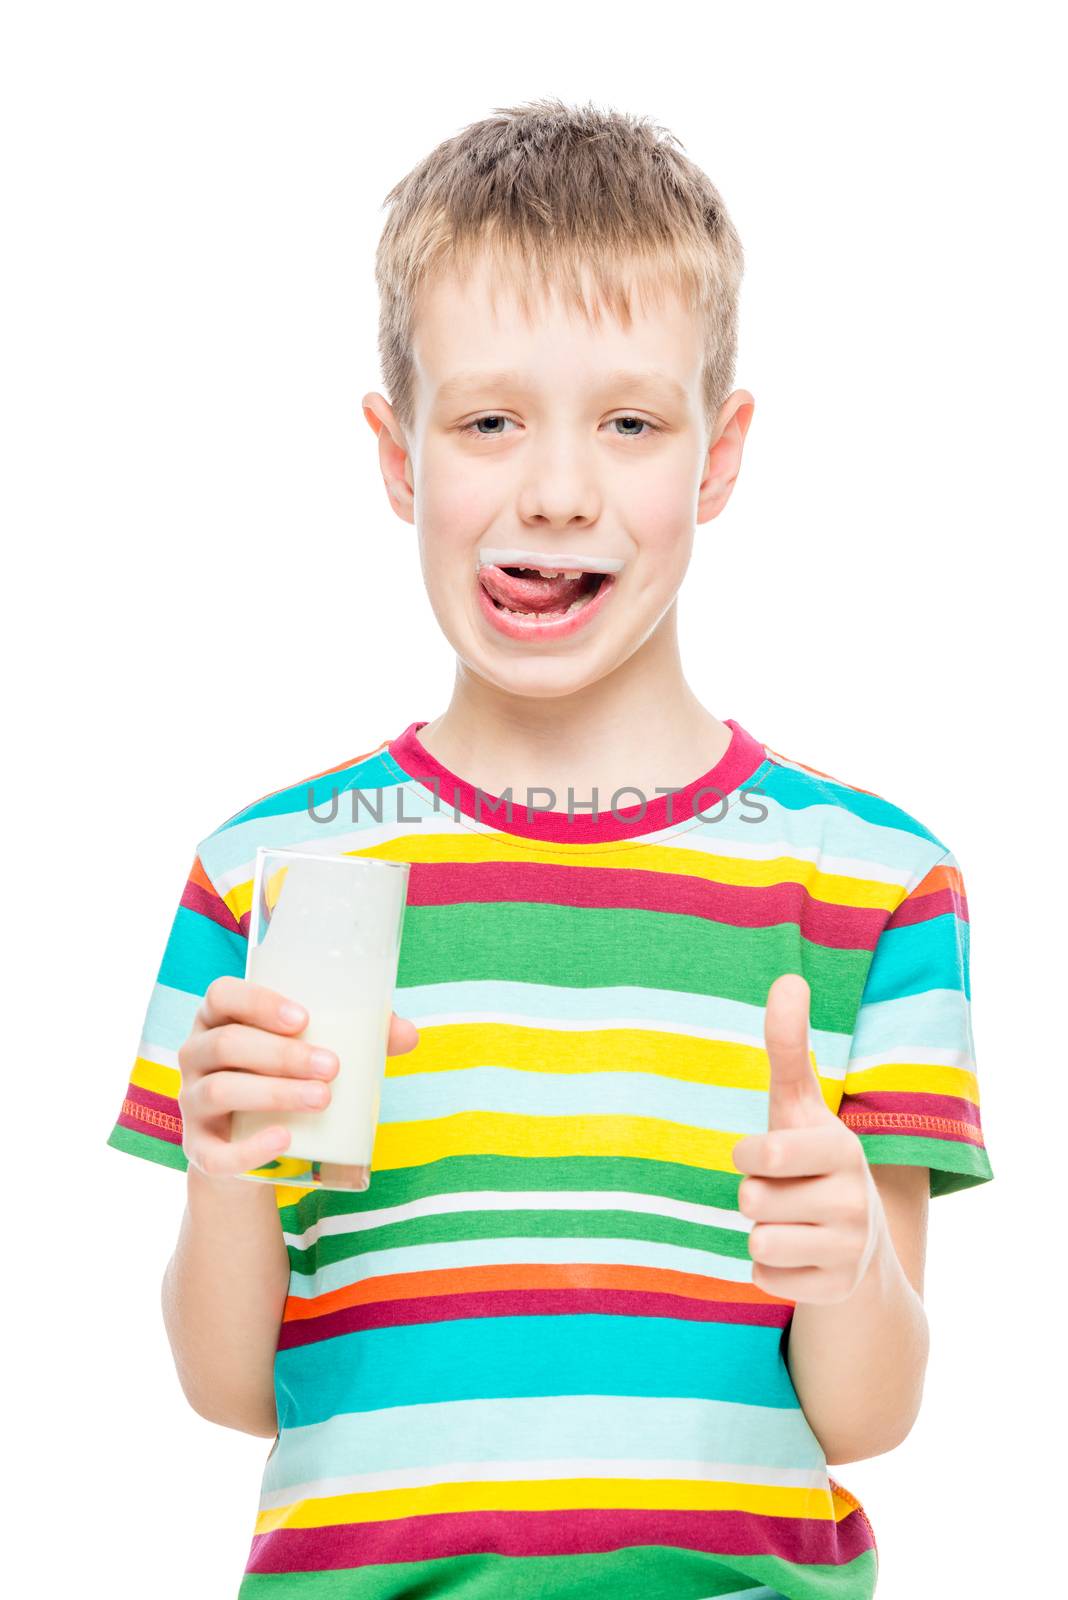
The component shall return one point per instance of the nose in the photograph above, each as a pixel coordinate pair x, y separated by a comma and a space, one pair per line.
560, 490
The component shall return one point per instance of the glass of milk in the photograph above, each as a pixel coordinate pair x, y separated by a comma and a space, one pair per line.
325, 930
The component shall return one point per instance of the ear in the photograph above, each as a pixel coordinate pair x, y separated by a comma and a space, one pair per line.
724, 459
393, 457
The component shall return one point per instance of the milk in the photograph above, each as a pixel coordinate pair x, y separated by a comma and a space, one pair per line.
331, 941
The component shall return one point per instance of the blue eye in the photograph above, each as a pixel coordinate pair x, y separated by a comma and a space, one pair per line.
651, 426
491, 416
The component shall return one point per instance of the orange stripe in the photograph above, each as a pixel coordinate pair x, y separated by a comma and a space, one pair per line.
470, 1280
816, 773
940, 877
198, 876
351, 762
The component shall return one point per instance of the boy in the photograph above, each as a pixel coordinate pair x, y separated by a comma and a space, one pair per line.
684, 1037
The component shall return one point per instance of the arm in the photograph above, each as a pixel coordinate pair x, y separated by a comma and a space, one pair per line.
223, 1295
858, 1365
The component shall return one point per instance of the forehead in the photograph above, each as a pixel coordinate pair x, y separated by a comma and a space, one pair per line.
474, 328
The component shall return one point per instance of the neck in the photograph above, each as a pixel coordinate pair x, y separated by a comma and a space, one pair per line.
640, 726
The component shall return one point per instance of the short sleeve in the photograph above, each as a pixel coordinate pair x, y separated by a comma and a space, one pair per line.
205, 942
911, 1093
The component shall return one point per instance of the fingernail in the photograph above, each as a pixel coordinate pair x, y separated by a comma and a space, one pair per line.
321, 1061
290, 1012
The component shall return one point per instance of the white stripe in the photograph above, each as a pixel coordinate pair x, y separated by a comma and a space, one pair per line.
335, 844
665, 1025
765, 849
921, 1056
540, 1471
148, 1051
520, 1019
483, 1200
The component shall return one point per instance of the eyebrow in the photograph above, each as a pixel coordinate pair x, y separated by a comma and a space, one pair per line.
623, 378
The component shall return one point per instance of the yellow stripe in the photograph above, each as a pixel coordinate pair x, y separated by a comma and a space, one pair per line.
475, 1133
435, 849
445, 1047
557, 1494
906, 1077
148, 1074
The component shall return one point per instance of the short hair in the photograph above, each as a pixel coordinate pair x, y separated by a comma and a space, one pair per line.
544, 188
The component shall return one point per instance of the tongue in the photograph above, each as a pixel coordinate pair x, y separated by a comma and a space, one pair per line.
532, 593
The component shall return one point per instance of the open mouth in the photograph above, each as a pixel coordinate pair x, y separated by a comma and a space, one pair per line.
535, 594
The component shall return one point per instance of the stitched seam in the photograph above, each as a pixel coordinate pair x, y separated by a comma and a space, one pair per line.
852, 1500
907, 1119
156, 1119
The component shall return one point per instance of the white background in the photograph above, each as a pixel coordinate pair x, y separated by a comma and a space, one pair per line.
208, 597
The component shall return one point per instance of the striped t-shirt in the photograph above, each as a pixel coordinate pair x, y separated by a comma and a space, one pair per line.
530, 1362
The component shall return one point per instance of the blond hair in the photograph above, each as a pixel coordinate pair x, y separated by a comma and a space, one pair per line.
544, 189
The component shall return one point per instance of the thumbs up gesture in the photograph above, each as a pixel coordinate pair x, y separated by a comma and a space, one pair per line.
817, 1214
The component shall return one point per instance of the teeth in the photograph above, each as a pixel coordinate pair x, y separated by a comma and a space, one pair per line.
548, 572
574, 606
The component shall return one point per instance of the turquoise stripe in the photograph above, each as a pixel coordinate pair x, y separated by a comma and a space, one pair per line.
505, 1252
370, 773
511, 1091
609, 1427
169, 1016
487, 1357
223, 853
798, 791
918, 957
937, 1019
484, 998
199, 950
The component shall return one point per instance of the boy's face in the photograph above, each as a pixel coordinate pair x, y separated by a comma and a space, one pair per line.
529, 437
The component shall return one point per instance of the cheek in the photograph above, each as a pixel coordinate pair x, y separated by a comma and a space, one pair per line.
453, 504
659, 509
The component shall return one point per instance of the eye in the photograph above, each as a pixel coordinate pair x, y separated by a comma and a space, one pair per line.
651, 427
491, 416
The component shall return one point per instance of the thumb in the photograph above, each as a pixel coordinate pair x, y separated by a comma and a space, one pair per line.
795, 1099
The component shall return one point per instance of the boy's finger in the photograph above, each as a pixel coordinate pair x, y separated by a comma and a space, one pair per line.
236, 1044
229, 999
220, 1158
403, 1035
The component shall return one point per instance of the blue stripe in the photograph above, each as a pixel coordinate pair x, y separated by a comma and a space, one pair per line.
370, 773
797, 791
415, 1097
508, 1251
918, 957
169, 1017
607, 1427
199, 950
480, 999
508, 1357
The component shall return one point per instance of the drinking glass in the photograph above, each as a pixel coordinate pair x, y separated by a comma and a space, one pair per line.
325, 930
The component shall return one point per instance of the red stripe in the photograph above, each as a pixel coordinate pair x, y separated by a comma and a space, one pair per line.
527, 1303
156, 1114
616, 888
921, 909
208, 904
339, 1546
922, 1115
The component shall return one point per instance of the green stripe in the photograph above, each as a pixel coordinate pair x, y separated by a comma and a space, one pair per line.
456, 1225
580, 947
161, 1151
953, 1165
605, 1575
463, 1174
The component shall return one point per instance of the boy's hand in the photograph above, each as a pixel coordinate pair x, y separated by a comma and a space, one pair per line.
240, 1055
818, 1214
